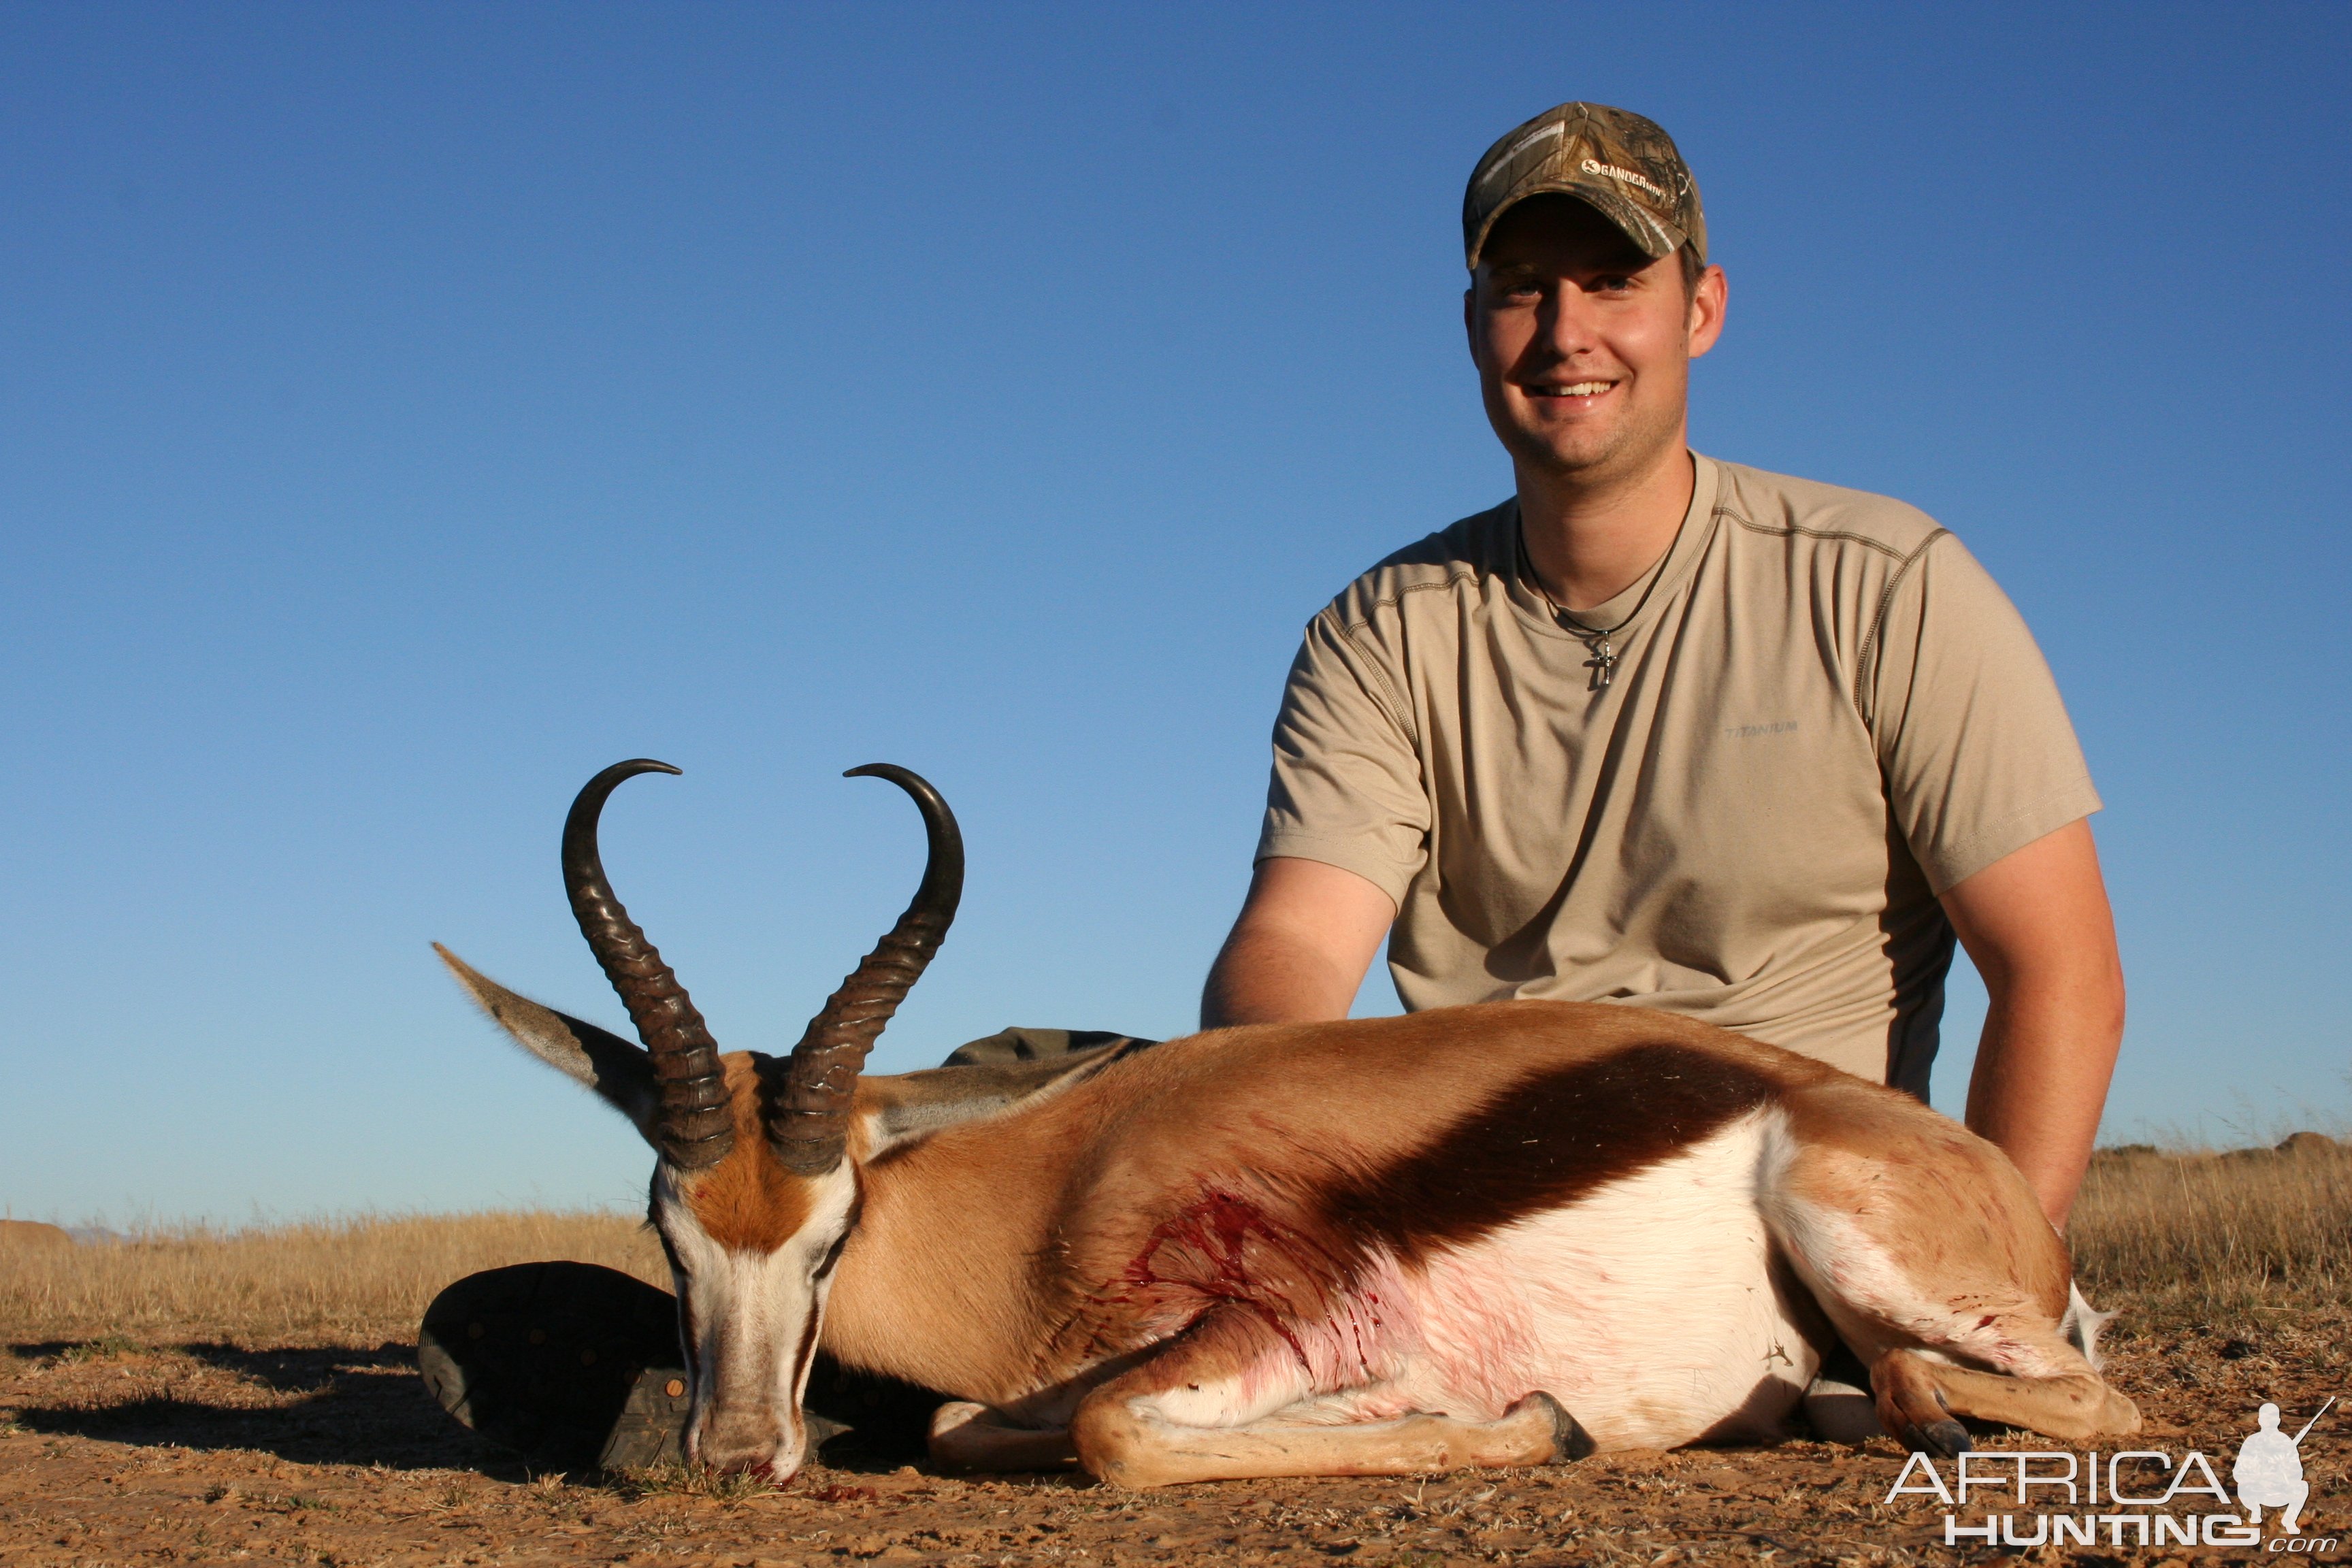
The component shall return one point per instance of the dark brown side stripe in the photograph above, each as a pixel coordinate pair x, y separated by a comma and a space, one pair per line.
1543, 1142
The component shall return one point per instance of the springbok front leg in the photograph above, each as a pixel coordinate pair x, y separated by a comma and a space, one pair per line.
1133, 1447
1212, 1407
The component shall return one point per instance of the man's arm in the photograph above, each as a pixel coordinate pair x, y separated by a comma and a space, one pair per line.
2037, 925
1299, 948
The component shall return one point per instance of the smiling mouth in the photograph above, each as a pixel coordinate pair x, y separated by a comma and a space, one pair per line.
1569, 389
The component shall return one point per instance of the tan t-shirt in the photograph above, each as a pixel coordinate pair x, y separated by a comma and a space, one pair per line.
1826, 714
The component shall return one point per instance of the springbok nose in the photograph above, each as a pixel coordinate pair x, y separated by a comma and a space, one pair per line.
758, 1438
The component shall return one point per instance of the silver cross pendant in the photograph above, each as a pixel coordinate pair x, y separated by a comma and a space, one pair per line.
1603, 664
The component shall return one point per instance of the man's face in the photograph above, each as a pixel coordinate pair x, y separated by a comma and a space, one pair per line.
1584, 344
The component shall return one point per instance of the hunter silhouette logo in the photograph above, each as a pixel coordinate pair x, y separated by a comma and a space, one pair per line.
2269, 1471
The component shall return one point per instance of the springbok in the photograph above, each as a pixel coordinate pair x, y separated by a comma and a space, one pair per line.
1510, 1234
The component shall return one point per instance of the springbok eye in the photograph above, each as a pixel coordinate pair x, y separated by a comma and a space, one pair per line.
832, 1255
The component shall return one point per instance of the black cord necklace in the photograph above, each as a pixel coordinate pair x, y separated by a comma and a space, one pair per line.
1603, 662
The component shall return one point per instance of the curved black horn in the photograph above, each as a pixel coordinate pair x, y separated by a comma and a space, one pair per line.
693, 1126
809, 1124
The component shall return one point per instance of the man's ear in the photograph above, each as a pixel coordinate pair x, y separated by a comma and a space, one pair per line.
1707, 308
621, 1074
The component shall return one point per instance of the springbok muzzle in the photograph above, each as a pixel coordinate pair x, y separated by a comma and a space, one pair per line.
745, 1438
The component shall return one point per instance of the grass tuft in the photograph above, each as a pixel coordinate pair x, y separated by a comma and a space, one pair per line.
691, 1481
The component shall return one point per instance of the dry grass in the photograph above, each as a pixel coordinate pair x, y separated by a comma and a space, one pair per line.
351, 1281
2199, 1231
2166, 1233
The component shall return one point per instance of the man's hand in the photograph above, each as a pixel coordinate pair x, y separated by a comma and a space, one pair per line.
1298, 951
2037, 925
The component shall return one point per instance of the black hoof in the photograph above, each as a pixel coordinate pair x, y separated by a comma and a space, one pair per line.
1569, 1440
1941, 1439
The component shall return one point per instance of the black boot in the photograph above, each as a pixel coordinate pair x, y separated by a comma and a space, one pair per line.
573, 1365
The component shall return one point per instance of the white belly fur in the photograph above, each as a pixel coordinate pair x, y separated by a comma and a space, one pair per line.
1647, 1308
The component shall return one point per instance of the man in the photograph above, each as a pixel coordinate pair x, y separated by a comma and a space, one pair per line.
1674, 732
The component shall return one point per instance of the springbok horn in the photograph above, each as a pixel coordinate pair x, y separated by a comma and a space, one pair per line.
693, 1127
809, 1124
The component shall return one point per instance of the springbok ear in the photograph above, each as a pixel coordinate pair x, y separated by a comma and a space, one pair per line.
621, 1074
911, 1105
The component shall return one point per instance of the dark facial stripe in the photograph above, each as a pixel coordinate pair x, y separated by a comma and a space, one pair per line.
1542, 1143
685, 1330
807, 1348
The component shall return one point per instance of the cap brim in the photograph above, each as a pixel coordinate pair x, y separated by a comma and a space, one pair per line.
1650, 235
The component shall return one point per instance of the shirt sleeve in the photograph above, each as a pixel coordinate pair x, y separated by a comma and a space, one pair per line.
1978, 754
1347, 788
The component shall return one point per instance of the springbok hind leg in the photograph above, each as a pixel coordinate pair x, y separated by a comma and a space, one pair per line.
1210, 1407
1919, 1397
1931, 1255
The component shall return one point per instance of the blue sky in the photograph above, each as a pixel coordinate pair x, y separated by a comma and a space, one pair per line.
406, 410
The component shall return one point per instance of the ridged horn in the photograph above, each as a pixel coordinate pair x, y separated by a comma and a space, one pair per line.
693, 1126
808, 1124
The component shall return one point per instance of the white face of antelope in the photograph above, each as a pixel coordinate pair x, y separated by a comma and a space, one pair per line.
753, 1249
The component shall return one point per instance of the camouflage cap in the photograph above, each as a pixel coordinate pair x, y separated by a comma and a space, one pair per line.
1623, 167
